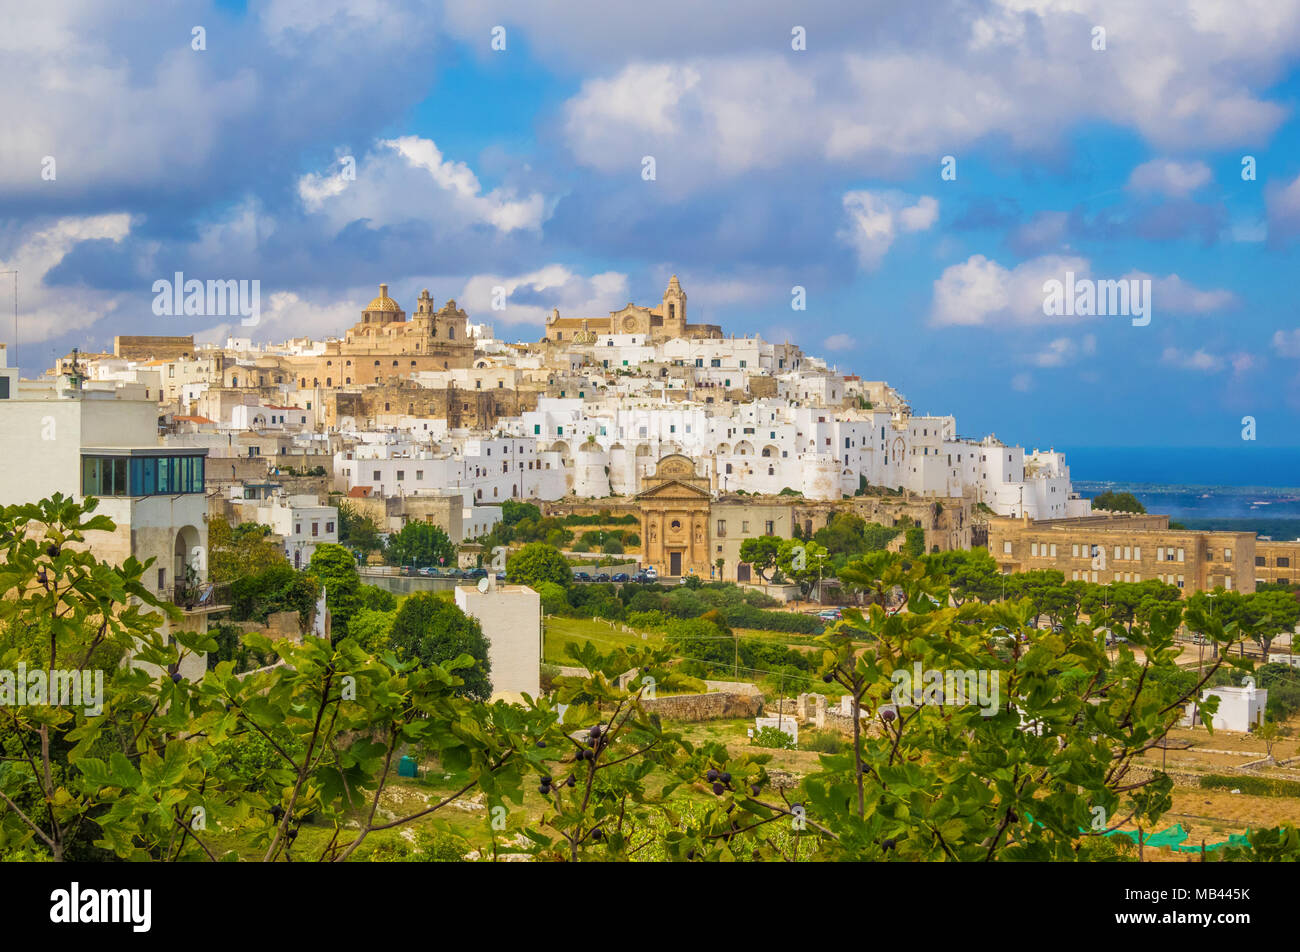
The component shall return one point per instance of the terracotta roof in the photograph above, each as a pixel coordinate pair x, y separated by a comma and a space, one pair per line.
193, 419
359, 492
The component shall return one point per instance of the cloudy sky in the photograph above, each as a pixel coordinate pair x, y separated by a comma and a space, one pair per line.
323, 146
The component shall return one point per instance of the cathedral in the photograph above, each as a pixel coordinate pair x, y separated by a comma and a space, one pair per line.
384, 347
667, 322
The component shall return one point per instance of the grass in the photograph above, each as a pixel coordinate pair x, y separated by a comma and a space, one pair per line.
560, 631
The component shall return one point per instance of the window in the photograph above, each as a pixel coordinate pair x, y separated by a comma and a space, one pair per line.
419, 474
1033, 548
769, 528
722, 527
162, 580
1181, 556
141, 475
315, 528
1260, 560
1074, 550
1053, 548
1006, 547
1283, 562
376, 475
401, 475
329, 527
1227, 555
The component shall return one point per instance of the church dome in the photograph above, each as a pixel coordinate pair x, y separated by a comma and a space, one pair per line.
383, 302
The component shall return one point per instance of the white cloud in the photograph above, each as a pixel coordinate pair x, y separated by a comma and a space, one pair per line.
409, 178
721, 102
980, 291
876, 218
47, 311
1169, 178
1283, 205
1199, 359
839, 342
1287, 343
1172, 293
1064, 350
573, 294
285, 314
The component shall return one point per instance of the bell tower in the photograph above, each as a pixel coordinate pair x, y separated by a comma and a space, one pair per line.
674, 310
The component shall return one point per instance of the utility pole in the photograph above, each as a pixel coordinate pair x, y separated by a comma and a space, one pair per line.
13, 362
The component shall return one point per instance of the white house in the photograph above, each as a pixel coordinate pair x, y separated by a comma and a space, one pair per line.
511, 617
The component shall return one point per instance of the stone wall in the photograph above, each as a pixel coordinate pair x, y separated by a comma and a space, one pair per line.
705, 707
153, 348
475, 409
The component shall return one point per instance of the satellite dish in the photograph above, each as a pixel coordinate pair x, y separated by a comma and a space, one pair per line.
483, 585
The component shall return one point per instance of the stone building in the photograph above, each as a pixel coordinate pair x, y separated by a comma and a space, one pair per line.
1277, 562
675, 519
1106, 551
667, 322
385, 347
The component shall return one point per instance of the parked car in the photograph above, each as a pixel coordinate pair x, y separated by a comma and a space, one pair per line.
501, 576
618, 577
581, 577
651, 572
476, 573
602, 577
830, 614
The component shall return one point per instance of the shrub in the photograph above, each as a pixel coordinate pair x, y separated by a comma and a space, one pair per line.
824, 742
1255, 786
773, 738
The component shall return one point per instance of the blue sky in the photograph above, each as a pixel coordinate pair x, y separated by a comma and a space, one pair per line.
775, 167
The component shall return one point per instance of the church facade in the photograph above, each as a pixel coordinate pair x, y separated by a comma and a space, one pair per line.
675, 519
665, 323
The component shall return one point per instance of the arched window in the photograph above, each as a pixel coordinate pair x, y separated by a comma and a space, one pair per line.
329, 381
451, 332
676, 524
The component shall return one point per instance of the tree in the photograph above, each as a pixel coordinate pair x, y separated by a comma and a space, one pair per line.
805, 563
372, 629
761, 553
277, 589
538, 562
432, 631
241, 551
357, 529
512, 511
914, 544
153, 773
971, 574
1117, 502
421, 544
336, 568
1268, 614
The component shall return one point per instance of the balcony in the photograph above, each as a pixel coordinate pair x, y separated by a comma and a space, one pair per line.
201, 597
